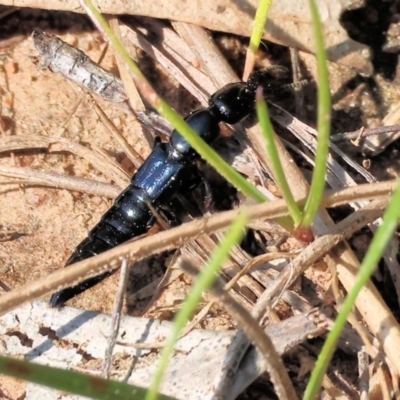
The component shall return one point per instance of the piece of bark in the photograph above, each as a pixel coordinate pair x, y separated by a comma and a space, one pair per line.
69, 338
289, 23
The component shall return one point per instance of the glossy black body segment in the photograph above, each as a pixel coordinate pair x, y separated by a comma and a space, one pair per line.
167, 170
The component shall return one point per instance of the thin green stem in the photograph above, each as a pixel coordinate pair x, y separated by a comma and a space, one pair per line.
324, 123
260, 20
375, 251
203, 283
279, 175
71, 381
162, 107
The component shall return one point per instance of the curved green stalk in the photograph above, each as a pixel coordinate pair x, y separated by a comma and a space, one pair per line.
260, 21
376, 249
279, 175
162, 107
71, 381
324, 124
203, 283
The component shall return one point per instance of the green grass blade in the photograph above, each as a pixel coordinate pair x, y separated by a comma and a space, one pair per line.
71, 381
375, 252
171, 115
279, 175
260, 21
203, 282
324, 123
